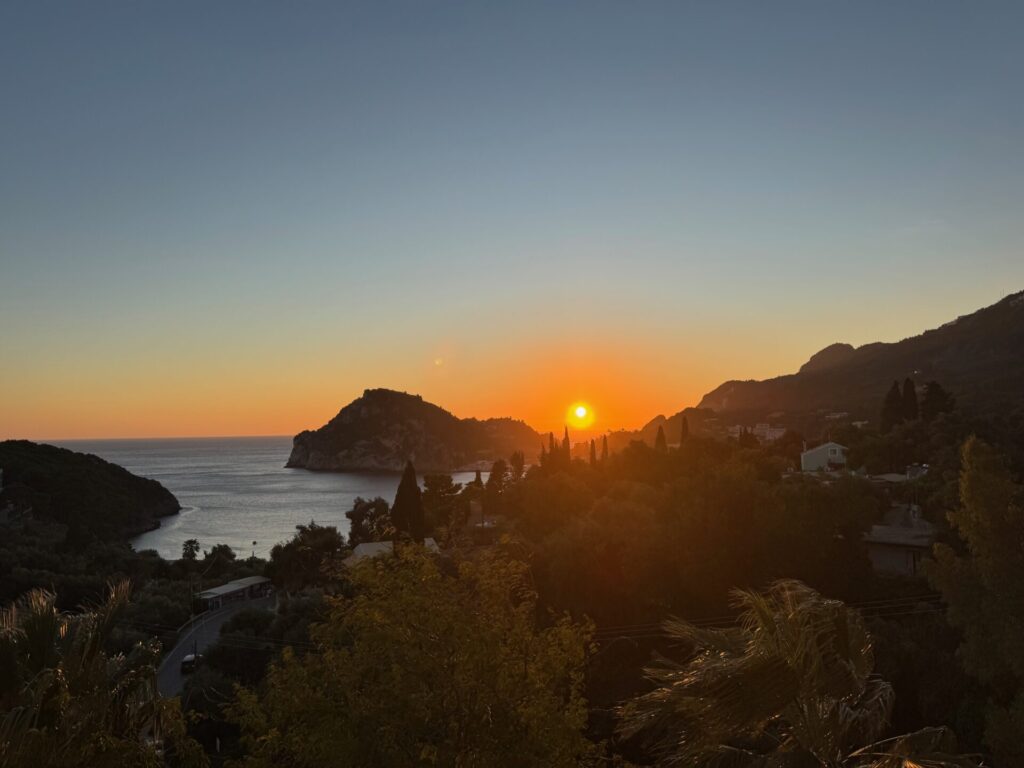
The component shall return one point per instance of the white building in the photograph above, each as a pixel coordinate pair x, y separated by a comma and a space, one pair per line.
823, 458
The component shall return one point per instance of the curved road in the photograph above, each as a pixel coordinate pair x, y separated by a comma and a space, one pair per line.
201, 636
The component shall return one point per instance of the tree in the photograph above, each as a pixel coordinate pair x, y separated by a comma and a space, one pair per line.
791, 685
684, 430
936, 400
495, 486
498, 477
301, 562
593, 453
369, 520
441, 502
660, 445
64, 701
984, 589
426, 665
219, 559
910, 410
190, 550
747, 439
892, 408
604, 448
566, 447
518, 464
407, 511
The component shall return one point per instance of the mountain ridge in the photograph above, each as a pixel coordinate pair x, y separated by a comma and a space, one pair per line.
978, 356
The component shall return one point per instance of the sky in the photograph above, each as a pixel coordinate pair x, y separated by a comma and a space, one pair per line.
231, 218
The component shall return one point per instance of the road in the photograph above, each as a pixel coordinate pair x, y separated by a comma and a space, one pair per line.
203, 634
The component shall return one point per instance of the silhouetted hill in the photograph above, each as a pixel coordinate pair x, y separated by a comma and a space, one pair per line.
81, 491
979, 357
383, 429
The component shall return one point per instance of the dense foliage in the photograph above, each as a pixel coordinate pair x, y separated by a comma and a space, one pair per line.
792, 684
426, 665
984, 587
66, 701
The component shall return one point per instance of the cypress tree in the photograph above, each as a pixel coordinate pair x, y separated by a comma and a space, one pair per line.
892, 408
565, 446
604, 448
936, 400
660, 445
910, 409
551, 444
593, 453
684, 431
407, 511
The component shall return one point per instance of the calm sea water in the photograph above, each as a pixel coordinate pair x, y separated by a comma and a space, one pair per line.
236, 490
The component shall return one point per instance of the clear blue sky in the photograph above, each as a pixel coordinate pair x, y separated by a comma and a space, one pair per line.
299, 200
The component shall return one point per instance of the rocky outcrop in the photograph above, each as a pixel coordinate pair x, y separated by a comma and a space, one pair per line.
383, 429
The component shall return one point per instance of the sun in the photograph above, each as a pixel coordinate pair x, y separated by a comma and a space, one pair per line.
579, 415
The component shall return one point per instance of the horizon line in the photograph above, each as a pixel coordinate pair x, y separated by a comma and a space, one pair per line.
149, 437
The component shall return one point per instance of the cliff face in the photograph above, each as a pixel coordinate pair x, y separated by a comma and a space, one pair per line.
979, 357
81, 491
383, 429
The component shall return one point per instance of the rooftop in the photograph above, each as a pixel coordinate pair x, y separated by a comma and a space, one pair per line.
233, 586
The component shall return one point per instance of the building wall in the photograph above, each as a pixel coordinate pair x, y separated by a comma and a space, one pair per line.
894, 560
818, 459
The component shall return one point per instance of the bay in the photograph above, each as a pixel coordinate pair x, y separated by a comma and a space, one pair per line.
236, 490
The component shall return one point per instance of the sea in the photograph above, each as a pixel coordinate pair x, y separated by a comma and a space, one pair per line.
236, 490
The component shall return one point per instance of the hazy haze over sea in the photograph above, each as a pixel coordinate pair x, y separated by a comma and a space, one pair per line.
235, 490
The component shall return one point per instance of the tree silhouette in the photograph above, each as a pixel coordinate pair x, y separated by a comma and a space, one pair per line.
660, 445
892, 408
190, 549
684, 430
604, 448
407, 511
517, 462
910, 410
369, 520
936, 400
593, 453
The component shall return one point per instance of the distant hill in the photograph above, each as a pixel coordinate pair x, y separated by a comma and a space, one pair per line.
383, 429
80, 490
979, 357
698, 421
